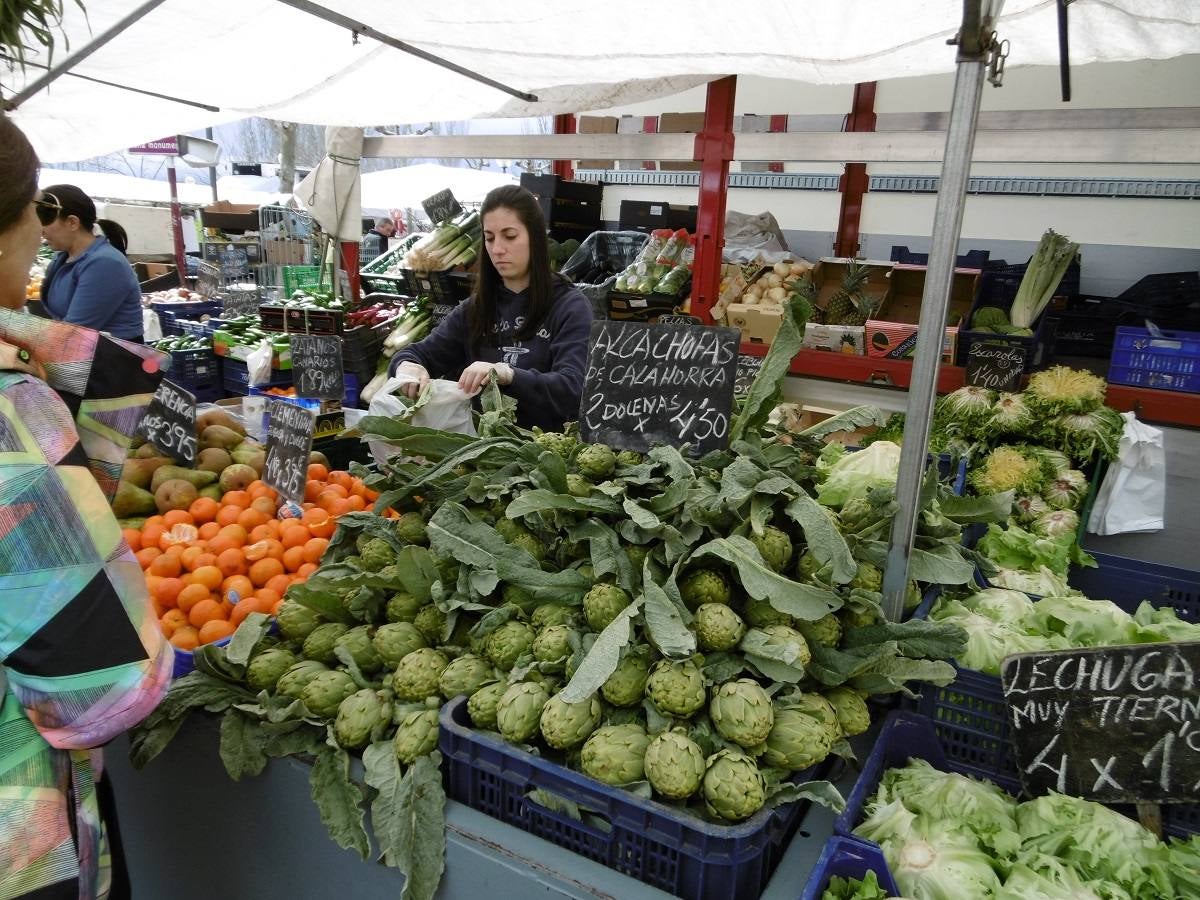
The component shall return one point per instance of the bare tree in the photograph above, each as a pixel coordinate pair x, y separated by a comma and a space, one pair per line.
539, 125
287, 156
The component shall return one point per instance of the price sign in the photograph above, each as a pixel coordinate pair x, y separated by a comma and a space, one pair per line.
442, 207
208, 279
995, 366
747, 371
240, 302
678, 319
170, 422
1114, 724
317, 366
289, 442
659, 384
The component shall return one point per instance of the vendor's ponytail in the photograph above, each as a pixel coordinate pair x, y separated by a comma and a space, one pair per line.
115, 233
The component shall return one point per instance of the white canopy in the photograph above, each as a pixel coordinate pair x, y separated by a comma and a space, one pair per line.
262, 58
407, 186
114, 186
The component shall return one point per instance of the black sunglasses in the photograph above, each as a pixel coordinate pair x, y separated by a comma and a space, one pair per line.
48, 208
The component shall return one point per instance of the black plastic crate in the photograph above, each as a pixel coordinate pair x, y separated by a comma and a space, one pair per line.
556, 187
1165, 290
625, 307
301, 321
972, 259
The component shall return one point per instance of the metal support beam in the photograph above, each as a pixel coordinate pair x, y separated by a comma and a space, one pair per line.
177, 223
564, 124
854, 182
974, 41
357, 28
52, 74
714, 150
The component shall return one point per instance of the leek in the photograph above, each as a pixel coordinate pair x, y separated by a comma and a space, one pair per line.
1045, 271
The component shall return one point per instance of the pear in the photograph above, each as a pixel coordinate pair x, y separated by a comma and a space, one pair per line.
132, 500
167, 473
219, 417
219, 436
175, 493
213, 459
316, 456
134, 522
237, 477
146, 451
139, 470
213, 490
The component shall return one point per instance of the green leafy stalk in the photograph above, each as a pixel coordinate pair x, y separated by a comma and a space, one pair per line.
767, 388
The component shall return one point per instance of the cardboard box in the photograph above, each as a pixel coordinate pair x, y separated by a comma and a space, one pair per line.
893, 333
282, 252
637, 125
596, 125
647, 216
680, 123
847, 339
827, 275
759, 324
228, 216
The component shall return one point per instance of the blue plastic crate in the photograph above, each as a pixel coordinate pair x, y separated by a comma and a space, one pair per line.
236, 376
848, 857
1169, 363
970, 715
169, 314
654, 843
185, 662
195, 370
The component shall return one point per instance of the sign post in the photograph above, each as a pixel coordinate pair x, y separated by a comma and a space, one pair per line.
442, 207
170, 422
665, 384
289, 442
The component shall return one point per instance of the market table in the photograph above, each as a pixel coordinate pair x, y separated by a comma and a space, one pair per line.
189, 830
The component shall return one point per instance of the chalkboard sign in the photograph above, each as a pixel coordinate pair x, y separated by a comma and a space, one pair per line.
317, 366
208, 279
240, 301
170, 422
442, 207
666, 384
1114, 724
995, 366
678, 319
289, 441
747, 371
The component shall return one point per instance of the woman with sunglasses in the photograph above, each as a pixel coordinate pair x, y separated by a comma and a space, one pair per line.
89, 282
82, 657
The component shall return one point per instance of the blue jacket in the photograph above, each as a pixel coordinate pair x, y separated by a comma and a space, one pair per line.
548, 368
97, 289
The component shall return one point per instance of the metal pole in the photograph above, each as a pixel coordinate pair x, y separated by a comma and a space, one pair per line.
947, 224
177, 223
212, 170
358, 28
72, 61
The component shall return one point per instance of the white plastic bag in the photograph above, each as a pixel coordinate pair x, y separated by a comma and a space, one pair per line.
151, 327
258, 363
1134, 491
747, 232
442, 405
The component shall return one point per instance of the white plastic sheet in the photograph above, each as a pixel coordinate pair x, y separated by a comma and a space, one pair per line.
261, 58
1134, 493
331, 191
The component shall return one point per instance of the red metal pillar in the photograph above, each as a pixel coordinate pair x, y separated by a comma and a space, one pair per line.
564, 124
349, 250
853, 183
714, 151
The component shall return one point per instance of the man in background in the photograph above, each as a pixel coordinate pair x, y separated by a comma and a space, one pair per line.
375, 241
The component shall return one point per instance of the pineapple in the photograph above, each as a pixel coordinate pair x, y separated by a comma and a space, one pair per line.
804, 289
847, 344
867, 306
846, 303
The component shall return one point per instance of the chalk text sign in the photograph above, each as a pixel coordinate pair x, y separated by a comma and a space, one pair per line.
317, 366
995, 367
289, 442
170, 422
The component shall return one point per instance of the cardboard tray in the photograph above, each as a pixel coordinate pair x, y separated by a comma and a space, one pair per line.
893, 334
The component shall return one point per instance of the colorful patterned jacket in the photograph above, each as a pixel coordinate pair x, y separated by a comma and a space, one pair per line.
80, 649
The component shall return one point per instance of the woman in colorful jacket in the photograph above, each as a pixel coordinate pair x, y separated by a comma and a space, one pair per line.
81, 655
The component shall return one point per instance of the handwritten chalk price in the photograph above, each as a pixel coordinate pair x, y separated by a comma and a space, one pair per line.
289, 442
170, 422
317, 366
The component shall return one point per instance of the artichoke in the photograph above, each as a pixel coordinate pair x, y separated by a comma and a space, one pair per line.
742, 712
325, 693
464, 675
417, 675
629, 458
268, 667
615, 754
296, 622
319, 644
519, 711
596, 461
718, 627
508, 643
562, 444
567, 725
550, 614
825, 631
674, 765
410, 528
481, 706
357, 716
552, 646
416, 735
578, 486
774, 546
403, 607
808, 567
626, 686
292, 682
798, 740
819, 708
396, 640
759, 613
734, 789
602, 604
702, 586
792, 640
676, 688
867, 577
358, 642
852, 714
637, 554
431, 622
377, 554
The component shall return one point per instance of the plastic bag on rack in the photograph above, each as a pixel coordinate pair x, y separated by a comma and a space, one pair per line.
760, 232
441, 405
1133, 495
151, 327
258, 363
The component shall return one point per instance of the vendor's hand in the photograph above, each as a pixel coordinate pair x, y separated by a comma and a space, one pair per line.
475, 376
413, 370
